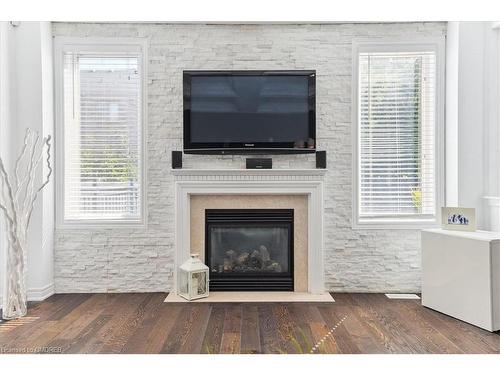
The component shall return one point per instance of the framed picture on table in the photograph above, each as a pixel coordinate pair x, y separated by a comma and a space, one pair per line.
458, 218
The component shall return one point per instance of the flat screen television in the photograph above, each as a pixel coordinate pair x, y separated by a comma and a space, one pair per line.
249, 111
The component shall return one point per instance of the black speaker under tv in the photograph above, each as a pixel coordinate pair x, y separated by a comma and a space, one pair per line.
249, 111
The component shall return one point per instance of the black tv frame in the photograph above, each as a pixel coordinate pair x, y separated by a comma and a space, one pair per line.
247, 148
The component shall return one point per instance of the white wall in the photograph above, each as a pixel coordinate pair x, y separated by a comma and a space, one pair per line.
7, 114
356, 260
124, 259
491, 134
471, 116
4, 132
473, 135
28, 75
451, 129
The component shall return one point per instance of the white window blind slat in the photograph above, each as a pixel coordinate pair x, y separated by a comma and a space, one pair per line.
396, 143
102, 137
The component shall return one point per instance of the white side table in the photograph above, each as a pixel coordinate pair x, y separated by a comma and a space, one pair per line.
461, 275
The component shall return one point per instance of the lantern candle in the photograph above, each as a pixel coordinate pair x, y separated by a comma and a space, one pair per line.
193, 279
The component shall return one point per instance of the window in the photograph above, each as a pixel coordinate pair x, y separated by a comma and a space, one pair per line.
102, 133
398, 115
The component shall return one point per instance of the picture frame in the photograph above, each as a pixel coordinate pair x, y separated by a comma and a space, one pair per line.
458, 218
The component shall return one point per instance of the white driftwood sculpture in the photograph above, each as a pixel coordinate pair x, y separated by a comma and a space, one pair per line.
17, 199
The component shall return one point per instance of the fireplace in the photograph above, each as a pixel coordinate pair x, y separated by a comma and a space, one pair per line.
249, 249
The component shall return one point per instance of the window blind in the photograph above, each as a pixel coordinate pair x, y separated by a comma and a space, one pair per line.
396, 150
102, 137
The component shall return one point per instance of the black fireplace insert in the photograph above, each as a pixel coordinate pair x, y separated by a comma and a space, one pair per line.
249, 249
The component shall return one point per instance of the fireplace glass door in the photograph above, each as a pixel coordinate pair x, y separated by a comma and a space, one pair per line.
249, 249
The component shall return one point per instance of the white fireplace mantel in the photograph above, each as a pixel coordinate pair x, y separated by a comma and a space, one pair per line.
308, 182
265, 173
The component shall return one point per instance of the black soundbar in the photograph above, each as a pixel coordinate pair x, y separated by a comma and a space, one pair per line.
259, 163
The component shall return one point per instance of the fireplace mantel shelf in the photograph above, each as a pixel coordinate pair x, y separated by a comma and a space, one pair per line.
248, 172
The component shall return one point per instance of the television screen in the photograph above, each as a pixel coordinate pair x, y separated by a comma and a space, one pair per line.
249, 111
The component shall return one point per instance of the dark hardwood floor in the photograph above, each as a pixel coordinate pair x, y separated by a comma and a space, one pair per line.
142, 323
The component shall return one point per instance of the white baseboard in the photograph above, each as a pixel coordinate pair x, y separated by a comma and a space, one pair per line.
37, 294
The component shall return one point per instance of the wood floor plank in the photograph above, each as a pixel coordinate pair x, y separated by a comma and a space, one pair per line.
137, 341
369, 319
75, 345
286, 329
213, 335
423, 334
143, 323
462, 334
250, 335
395, 323
158, 336
118, 308
268, 330
30, 337
97, 304
193, 340
81, 309
187, 321
42, 311
68, 307
120, 336
231, 333
425, 329
303, 337
350, 330
320, 330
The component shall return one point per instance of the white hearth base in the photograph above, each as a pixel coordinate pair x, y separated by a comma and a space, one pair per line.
220, 297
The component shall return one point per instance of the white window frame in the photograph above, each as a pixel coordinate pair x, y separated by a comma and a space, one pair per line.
390, 45
76, 44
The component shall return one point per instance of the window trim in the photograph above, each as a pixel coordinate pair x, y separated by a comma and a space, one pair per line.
122, 45
392, 45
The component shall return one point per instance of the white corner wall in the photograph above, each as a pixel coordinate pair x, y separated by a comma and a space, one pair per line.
473, 118
491, 198
4, 129
470, 116
451, 116
27, 90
